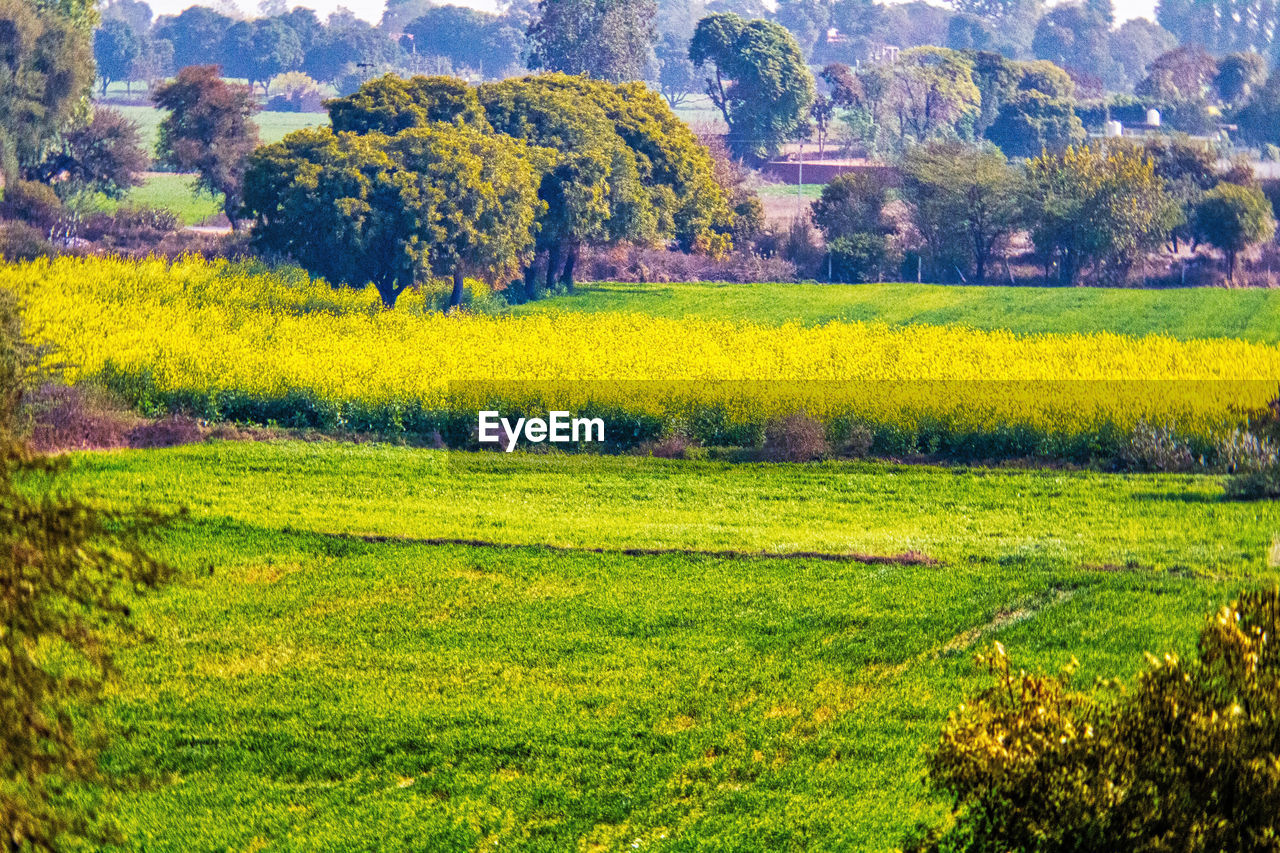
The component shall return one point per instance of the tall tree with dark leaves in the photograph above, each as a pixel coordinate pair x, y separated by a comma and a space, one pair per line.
116, 46
196, 35
46, 71
607, 39
208, 131
759, 81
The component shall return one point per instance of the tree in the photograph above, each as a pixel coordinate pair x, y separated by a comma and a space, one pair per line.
1031, 123
932, 94
154, 64
607, 39
1075, 37
344, 44
1013, 22
677, 78
1134, 46
969, 32
1187, 169
1184, 74
135, 13
761, 86
1097, 210
391, 104
591, 186
208, 131
1221, 26
852, 203
115, 48
1259, 120
1184, 758
46, 62
105, 155
966, 204
1232, 218
807, 20
353, 208
196, 35
259, 50
1238, 76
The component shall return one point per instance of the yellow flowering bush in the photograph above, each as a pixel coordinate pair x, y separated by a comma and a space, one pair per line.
240, 341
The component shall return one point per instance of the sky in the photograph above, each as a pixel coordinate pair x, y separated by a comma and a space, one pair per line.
371, 10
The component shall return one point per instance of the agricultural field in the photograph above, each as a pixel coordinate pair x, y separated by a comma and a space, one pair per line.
379, 646
239, 342
272, 126
376, 648
174, 192
1185, 313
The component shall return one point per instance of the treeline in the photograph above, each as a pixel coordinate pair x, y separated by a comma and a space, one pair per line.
952, 212
433, 178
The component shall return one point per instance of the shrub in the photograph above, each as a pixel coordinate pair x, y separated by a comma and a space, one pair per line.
795, 438
1188, 758
642, 265
33, 203
130, 227
1155, 448
859, 258
1262, 483
82, 417
1240, 451
22, 242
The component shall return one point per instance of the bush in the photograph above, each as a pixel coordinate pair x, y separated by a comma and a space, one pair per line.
131, 228
1187, 759
1263, 483
860, 258
643, 265
22, 242
795, 438
1156, 448
33, 203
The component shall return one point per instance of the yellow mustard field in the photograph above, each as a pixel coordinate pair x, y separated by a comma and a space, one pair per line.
193, 332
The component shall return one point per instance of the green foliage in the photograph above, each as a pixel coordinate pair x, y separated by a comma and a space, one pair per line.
468, 38
1231, 218
1238, 76
1096, 209
46, 71
116, 46
761, 84
966, 204
932, 95
196, 35
861, 257
208, 131
353, 208
1031, 123
104, 156
1186, 759
852, 203
260, 49
606, 39
68, 573
391, 104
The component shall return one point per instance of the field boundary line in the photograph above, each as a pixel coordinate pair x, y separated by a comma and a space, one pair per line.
906, 558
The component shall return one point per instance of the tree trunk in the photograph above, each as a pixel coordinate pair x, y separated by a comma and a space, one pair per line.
1231, 267
570, 261
531, 280
455, 298
554, 255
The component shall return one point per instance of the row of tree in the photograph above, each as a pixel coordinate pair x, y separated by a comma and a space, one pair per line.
1090, 211
432, 178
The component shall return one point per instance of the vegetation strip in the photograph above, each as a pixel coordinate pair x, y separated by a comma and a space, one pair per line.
906, 558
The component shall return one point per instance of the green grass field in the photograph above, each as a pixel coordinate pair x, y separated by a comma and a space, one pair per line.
1190, 313
272, 126
326, 677
175, 193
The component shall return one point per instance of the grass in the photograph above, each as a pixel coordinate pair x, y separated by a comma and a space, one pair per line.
272, 126
175, 192
304, 690
1191, 313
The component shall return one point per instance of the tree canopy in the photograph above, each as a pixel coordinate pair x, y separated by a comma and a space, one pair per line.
761, 84
607, 39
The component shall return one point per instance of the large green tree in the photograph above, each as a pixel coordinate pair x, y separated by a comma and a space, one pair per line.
442, 200
259, 50
1096, 210
46, 71
391, 104
1232, 218
607, 39
196, 35
760, 84
208, 131
966, 204
116, 46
